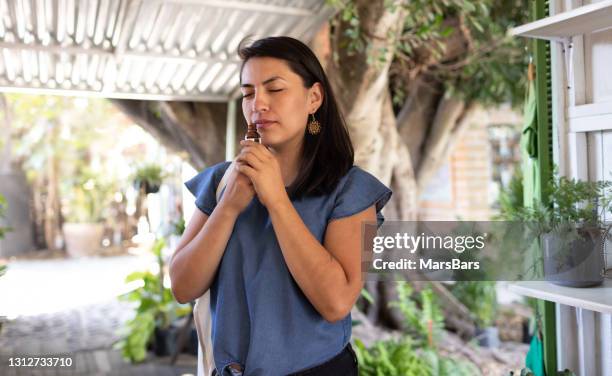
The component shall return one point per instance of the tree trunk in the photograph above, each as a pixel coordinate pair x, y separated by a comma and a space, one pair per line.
195, 128
52, 204
6, 138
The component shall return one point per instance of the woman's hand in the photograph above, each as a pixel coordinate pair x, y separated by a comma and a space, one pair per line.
238, 191
262, 168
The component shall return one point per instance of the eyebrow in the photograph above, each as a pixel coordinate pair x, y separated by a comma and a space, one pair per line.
265, 82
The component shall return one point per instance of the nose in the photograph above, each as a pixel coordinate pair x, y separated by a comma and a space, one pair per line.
260, 102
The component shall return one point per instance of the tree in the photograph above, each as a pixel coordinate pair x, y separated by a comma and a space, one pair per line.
51, 138
408, 75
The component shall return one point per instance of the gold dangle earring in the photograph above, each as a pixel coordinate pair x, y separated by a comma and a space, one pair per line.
314, 127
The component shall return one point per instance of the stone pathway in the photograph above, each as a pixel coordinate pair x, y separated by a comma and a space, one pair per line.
69, 307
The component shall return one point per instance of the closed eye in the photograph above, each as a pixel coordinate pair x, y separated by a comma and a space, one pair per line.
251, 94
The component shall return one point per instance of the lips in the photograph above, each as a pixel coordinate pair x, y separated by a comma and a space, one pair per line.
263, 124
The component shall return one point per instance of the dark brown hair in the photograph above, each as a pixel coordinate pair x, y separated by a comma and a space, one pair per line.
327, 156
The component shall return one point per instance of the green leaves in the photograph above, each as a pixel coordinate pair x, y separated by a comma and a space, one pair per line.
156, 307
392, 357
424, 323
137, 334
3, 206
415, 352
460, 43
572, 203
400, 358
480, 297
151, 173
367, 296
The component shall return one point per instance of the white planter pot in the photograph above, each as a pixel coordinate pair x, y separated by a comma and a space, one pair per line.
83, 239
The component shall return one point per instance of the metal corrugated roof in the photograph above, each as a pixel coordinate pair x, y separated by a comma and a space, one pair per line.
145, 49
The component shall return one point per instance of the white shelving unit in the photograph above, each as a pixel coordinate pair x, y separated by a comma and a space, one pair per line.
582, 123
598, 299
583, 20
563, 28
590, 117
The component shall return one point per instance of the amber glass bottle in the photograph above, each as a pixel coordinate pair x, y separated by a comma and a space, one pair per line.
252, 134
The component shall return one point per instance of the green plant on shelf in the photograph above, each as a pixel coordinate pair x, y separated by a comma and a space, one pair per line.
573, 204
574, 214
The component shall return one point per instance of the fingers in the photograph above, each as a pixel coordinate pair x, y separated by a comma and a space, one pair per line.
246, 169
262, 152
250, 158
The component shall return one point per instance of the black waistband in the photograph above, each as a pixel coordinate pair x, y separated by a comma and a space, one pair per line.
347, 354
327, 368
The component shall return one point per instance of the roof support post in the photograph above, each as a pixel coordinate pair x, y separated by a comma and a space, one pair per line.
230, 130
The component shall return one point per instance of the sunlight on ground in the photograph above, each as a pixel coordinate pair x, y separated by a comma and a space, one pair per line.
33, 287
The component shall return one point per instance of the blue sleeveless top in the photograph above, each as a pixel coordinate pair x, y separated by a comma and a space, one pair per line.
260, 317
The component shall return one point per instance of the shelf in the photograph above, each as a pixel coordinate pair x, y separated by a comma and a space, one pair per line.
582, 20
592, 298
590, 117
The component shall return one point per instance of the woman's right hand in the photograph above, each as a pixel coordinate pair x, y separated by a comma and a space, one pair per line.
238, 192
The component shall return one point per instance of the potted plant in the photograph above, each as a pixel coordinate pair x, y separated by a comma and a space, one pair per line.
89, 196
571, 230
156, 311
149, 178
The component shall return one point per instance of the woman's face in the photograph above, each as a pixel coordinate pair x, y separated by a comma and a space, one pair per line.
275, 100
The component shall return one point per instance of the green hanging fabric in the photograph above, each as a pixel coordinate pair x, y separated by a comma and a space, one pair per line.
535, 356
529, 147
531, 193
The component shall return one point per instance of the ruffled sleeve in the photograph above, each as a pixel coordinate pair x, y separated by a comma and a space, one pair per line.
357, 191
204, 186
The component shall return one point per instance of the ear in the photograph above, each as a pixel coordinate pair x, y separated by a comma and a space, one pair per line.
315, 97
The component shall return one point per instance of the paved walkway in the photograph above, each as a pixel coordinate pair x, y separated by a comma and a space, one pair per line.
69, 307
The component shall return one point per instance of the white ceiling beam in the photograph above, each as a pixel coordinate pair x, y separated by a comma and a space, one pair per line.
113, 12
177, 23
188, 35
123, 33
19, 18
161, 18
3, 16
246, 6
119, 24
61, 20
91, 17
41, 22
101, 22
56, 49
70, 17
196, 97
81, 20
153, 49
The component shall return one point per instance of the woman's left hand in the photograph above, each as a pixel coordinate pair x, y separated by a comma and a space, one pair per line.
261, 166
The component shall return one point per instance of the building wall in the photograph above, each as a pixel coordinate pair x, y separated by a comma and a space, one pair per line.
462, 189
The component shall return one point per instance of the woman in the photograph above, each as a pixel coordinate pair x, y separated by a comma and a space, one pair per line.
280, 251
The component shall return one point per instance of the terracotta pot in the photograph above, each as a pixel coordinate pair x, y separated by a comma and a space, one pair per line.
83, 239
